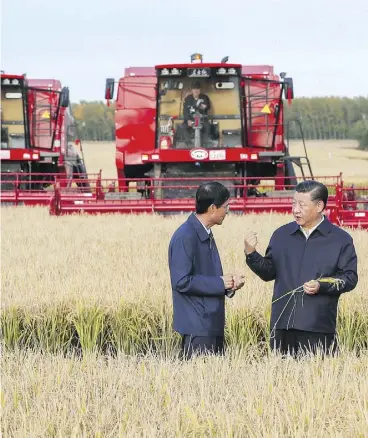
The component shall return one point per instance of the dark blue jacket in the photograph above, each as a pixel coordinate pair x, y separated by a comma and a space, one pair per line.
291, 260
198, 291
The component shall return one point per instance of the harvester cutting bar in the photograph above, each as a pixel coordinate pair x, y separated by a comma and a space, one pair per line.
38, 188
353, 208
144, 199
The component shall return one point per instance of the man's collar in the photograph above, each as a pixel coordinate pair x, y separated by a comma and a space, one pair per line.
199, 227
324, 227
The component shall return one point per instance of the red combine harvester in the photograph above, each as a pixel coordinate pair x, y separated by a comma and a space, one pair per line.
36, 123
161, 133
167, 142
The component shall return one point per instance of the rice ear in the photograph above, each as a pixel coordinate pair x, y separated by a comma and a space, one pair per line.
335, 281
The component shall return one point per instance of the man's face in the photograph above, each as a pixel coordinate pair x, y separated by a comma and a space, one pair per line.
196, 92
218, 214
306, 212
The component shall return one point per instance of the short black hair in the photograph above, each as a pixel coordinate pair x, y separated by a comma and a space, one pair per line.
196, 85
210, 193
317, 190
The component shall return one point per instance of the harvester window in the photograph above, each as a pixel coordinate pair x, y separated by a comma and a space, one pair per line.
220, 125
12, 118
263, 124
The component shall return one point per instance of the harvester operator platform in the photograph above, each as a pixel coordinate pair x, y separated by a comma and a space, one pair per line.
196, 102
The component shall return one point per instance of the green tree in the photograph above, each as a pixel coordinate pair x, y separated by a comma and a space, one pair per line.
322, 118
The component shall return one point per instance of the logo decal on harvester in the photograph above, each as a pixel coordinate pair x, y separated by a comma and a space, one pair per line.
218, 155
199, 154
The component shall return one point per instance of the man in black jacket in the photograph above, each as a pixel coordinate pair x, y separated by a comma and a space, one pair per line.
196, 102
299, 255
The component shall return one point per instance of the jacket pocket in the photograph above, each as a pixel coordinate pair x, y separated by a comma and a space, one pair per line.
198, 304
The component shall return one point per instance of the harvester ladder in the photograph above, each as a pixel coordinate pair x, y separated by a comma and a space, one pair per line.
299, 161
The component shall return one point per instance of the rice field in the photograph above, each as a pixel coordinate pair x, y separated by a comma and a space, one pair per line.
88, 348
241, 396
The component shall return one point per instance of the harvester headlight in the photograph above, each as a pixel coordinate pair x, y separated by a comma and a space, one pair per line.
6, 81
144, 157
15, 82
164, 144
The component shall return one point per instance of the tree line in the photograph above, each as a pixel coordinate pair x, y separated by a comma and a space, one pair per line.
322, 118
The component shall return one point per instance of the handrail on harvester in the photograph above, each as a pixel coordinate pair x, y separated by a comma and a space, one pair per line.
99, 201
347, 206
18, 188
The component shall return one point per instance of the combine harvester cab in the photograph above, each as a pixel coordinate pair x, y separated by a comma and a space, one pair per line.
162, 134
36, 124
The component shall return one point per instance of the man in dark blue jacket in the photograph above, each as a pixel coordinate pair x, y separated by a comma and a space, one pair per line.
298, 255
198, 284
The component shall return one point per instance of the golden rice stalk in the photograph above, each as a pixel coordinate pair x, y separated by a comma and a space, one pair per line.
335, 281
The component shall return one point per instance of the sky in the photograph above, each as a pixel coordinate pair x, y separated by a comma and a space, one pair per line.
321, 44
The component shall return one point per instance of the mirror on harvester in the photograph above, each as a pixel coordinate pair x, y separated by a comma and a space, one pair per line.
64, 98
289, 88
109, 89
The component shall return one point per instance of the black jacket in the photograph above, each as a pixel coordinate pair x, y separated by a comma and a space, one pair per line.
197, 287
190, 106
291, 260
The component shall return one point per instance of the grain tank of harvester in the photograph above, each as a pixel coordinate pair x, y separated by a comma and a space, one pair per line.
36, 127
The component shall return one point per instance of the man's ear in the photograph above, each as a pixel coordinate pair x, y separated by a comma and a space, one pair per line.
320, 206
212, 208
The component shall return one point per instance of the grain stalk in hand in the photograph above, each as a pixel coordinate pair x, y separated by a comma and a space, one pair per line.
300, 289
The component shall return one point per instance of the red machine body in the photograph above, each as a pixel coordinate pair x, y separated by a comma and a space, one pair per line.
246, 121
36, 123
